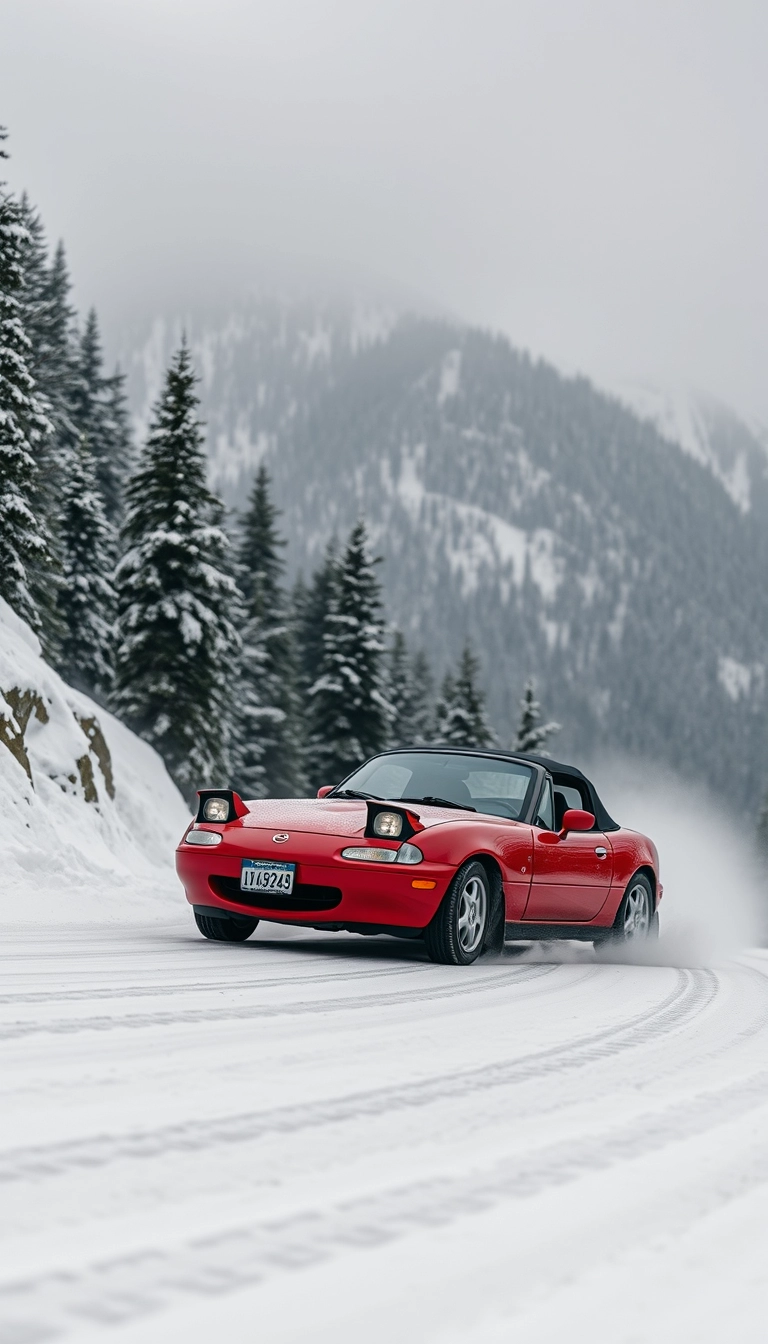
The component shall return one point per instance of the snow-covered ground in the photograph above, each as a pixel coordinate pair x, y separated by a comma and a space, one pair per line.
326, 1138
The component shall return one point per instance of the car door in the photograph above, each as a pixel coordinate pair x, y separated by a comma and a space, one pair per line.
571, 875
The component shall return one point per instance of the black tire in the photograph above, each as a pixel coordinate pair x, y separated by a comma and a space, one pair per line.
225, 930
456, 935
636, 921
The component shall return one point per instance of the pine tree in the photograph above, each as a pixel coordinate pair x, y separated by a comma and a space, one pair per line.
310, 613
443, 707
350, 713
86, 597
762, 832
422, 705
119, 441
463, 720
99, 414
410, 692
49, 321
532, 735
268, 748
24, 539
400, 691
177, 645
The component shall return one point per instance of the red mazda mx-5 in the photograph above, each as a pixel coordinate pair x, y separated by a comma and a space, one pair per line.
463, 849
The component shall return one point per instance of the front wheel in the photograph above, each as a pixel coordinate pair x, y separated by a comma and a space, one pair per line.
225, 930
456, 935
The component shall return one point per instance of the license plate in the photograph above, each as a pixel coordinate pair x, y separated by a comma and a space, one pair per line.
266, 875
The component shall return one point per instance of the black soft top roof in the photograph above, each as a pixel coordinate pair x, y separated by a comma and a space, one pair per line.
560, 774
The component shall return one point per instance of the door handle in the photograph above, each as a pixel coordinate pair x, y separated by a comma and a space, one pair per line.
600, 852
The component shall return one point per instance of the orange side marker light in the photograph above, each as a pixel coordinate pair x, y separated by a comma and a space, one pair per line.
423, 884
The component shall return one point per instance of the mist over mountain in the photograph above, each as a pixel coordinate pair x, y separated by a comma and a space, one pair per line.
614, 548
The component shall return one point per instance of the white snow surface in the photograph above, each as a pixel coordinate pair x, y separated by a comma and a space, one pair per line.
63, 857
322, 1137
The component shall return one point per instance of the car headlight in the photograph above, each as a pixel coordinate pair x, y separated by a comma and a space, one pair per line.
388, 824
370, 853
409, 854
216, 809
203, 837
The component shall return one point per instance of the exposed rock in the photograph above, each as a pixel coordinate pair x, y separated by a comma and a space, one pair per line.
98, 745
13, 725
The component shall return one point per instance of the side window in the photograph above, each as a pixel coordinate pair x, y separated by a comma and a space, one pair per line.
546, 813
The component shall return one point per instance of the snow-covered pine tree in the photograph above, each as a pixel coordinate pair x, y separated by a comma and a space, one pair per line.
400, 691
310, 612
410, 692
86, 599
762, 832
49, 320
443, 707
119, 441
464, 720
99, 415
24, 538
350, 713
267, 748
177, 644
423, 702
532, 735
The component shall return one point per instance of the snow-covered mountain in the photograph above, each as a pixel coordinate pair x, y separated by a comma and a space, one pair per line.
89, 818
562, 532
735, 451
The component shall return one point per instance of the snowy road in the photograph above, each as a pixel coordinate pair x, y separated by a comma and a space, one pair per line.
328, 1138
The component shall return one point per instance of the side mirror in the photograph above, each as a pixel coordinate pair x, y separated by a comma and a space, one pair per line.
325, 790
576, 820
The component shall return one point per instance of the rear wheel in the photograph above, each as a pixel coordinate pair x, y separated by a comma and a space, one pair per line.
225, 930
456, 935
637, 921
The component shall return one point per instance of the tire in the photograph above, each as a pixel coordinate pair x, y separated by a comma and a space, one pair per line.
637, 921
456, 935
225, 930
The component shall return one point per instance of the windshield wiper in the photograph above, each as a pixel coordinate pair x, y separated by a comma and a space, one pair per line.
440, 802
354, 793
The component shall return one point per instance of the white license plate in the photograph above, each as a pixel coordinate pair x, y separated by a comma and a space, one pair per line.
265, 875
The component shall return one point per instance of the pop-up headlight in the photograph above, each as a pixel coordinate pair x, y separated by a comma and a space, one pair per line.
389, 824
216, 809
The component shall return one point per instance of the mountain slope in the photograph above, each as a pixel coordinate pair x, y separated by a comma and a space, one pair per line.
544, 520
89, 818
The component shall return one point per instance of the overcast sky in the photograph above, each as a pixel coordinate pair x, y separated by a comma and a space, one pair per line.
587, 175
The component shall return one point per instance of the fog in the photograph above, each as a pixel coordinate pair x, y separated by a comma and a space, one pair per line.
586, 176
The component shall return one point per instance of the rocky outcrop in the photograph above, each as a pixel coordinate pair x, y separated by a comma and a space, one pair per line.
22, 707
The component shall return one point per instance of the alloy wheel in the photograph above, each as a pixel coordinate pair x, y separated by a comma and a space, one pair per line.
637, 913
472, 914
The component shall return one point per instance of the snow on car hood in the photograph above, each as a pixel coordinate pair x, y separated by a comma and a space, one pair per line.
334, 816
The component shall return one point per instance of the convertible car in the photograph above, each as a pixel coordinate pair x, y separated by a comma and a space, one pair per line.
462, 849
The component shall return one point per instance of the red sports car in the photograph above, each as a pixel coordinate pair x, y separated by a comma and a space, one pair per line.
463, 849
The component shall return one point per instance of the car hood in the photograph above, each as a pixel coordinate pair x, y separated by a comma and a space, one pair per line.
334, 816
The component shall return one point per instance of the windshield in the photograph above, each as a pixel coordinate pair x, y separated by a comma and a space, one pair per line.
480, 782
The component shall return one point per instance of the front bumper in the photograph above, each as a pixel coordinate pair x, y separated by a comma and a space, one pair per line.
329, 891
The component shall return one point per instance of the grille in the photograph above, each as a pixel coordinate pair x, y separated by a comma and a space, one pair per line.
305, 896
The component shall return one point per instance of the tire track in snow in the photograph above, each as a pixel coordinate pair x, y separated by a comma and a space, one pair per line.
246, 1012
113, 992
123, 1288
693, 992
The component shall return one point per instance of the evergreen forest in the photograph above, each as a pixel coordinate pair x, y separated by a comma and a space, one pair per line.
152, 597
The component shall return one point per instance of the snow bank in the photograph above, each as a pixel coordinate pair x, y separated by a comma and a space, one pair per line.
89, 817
